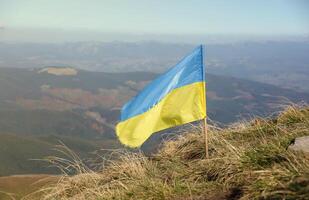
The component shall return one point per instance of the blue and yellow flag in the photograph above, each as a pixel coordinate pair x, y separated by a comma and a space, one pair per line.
174, 98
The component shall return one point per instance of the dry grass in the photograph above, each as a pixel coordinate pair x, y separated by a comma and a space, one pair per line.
17, 186
247, 161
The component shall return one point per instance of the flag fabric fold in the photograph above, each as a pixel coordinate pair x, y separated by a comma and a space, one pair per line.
176, 97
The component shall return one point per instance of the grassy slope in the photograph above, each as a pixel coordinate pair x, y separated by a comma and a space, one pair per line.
45, 122
16, 154
247, 161
15, 187
19, 154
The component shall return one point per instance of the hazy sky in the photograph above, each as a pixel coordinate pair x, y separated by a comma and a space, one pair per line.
197, 17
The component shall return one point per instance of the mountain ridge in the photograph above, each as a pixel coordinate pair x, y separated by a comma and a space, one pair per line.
283, 62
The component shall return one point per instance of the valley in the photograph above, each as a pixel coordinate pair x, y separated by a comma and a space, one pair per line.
39, 108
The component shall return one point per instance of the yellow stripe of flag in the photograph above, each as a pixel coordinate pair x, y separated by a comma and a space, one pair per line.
174, 98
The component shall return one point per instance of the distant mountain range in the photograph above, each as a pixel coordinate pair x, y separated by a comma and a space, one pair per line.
282, 63
39, 107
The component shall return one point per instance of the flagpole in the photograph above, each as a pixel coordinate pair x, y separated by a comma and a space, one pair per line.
206, 137
205, 119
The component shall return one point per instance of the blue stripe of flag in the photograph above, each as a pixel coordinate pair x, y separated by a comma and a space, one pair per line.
187, 71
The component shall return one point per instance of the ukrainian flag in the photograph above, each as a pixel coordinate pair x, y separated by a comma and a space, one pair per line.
174, 98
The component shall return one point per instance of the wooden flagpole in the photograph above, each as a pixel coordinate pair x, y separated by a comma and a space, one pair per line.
206, 137
205, 119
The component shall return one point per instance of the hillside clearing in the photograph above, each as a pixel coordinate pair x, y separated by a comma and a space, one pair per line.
59, 71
